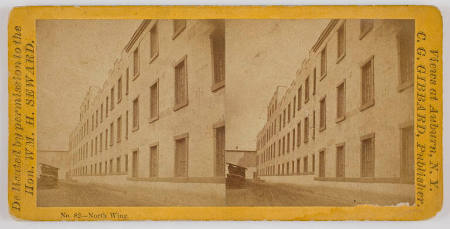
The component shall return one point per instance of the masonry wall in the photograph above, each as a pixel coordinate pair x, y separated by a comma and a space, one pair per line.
392, 110
197, 120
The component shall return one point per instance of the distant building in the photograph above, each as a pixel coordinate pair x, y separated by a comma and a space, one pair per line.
159, 119
56, 158
348, 115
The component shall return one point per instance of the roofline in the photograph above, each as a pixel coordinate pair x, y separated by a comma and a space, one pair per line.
136, 34
324, 34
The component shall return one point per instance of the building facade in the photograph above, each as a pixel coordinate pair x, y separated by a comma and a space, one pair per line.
158, 120
347, 117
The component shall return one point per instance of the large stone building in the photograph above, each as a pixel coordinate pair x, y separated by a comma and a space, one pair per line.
347, 117
158, 121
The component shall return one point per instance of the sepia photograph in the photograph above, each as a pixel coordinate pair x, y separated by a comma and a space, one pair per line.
131, 112
225, 112
322, 113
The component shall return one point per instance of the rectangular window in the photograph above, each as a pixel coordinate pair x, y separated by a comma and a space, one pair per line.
284, 145
293, 139
111, 134
293, 106
127, 83
119, 90
181, 157
314, 81
136, 62
323, 62
306, 89
154, 42
340, 161
134, 162
101, 113
298, 165
218, 58
407, 154
106, 139
112, 98
305, 164
322, 163
96, 118
154, 161
118, 169
154, 104
367, 85
288, 145
92, 147
406, 56
96, 145
119, 129
101, 143
368, 156
299, 135
340, 110
365, 26
284, 118
136, 114
107, 108
287, 168
299, 95
178, 26
126, 163
313, 163
306, 130
293, 167
314, 125
110, 166
323, 114
289, 113
126, 125
220, 151
279, 147
181, 93
341, 42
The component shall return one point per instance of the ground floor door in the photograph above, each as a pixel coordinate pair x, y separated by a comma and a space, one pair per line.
181, 158
135, 164
154, 161
407, 155
322, 164
220, 151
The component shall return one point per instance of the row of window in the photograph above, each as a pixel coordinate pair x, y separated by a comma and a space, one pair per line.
290, 167
181, 159
367, 82
113, 166
284, 142
367, 159
180, 69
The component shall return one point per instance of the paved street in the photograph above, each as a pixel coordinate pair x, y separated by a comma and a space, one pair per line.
263, 194
77, 195
253, 194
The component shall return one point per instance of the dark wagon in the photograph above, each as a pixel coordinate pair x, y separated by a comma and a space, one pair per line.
235, 176
47, 175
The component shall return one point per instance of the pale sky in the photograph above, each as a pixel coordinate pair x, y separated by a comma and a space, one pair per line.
71, 56
261, 54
